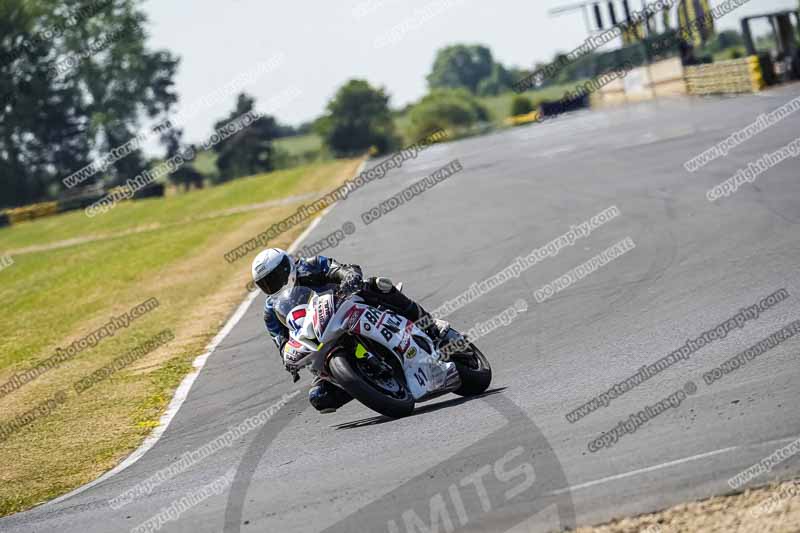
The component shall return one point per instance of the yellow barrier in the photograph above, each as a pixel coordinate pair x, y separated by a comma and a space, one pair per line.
30, 212
725, 77
756, 76
527, 118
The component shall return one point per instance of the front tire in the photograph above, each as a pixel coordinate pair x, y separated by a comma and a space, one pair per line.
350, 379
474, 370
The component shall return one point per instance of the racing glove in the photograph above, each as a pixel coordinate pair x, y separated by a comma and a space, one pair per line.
353, 282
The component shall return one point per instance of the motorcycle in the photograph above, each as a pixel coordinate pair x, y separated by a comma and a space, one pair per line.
380, 358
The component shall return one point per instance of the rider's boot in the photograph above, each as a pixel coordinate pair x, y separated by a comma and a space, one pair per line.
327, 397
435, 328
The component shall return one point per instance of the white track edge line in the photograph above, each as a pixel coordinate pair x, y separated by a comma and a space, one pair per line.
182, 392
645, 470
672, 463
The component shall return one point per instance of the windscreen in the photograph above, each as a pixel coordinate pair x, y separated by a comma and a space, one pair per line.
288, 299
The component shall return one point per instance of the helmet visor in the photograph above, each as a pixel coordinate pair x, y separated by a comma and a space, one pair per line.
275, 280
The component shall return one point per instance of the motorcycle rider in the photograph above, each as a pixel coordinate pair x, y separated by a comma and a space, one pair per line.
274, 269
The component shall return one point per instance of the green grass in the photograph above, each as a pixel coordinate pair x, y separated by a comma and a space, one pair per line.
60, 288
143, 213
55, 296
728, 53
206, 163
44, 284
500, 106
300, 144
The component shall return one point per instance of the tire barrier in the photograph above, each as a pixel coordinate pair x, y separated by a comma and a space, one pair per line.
45, 209
726, 77
549, 110
153, 190
527, 118
30, 212
565, 105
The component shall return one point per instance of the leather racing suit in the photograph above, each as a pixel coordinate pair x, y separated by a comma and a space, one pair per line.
319, 272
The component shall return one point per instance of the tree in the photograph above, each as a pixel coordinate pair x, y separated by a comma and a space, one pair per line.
724, 40
81, 80
249, 150
40, 123
521, 105
357, 119
186, 175
446, 109
460, 66
499, 81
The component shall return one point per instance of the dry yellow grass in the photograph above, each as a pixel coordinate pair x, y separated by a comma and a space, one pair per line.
771, 509
91, 432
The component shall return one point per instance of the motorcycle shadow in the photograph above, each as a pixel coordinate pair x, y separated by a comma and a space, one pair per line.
419, 410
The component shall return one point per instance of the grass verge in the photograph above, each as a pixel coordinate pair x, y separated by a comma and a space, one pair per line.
770, 509
71, 274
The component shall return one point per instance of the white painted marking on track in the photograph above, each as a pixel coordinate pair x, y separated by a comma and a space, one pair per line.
553, 152
666, 465
644, 470
182, 392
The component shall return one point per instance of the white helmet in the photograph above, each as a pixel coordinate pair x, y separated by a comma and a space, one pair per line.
273, 270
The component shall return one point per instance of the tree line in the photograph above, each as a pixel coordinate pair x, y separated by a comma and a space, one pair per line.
55, 121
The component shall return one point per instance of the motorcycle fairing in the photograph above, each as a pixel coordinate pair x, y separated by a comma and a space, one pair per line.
424, 373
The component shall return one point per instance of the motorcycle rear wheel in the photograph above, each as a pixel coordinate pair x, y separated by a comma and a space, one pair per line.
349, 376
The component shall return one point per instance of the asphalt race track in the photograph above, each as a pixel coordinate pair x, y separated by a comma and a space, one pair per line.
510, 461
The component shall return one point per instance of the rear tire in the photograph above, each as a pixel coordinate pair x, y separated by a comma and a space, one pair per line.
474, 370
349, 378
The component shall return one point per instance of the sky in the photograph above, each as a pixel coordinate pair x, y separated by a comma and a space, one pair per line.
292, 56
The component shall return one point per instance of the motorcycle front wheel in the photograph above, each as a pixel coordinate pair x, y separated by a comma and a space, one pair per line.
473, 369
388, 396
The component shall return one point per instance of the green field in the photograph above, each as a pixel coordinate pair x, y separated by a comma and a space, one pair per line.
300, 144
500, 106
72, 273
206, 162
